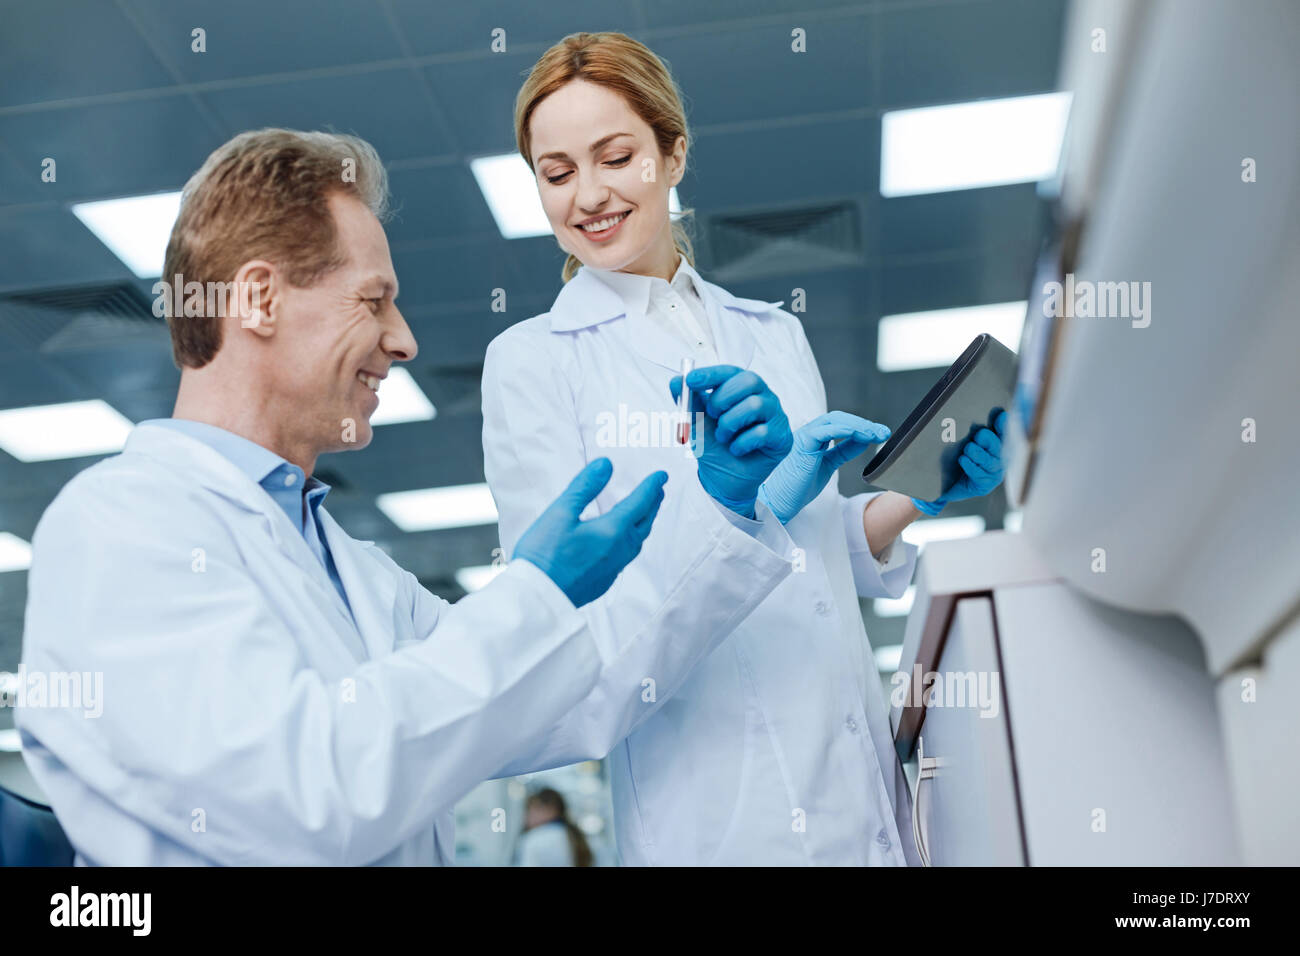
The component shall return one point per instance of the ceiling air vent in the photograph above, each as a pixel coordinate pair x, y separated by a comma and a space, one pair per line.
753, 245
83, 317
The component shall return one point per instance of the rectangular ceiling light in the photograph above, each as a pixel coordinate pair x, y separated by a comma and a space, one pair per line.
935, 339
135, 228
69, 430
430, 509
15, 553
473, 578
922, 532
401, 400
510, 189
968, 145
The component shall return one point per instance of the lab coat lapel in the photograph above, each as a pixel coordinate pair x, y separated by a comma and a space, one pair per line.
735, 323
370, 588
732, 332
217, 474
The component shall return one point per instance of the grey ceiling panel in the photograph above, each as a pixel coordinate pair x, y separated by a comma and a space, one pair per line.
386, 108
257, 38
47, 245
113, 149
953, 52
28, 379
483, 123
965, 219
438, 202
808, 162
440, 277
538, 263
990, 275
44, 48
666, 14
737, 75
436, 28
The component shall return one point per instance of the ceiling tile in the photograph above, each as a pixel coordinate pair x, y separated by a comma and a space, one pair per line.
112, 149
386, 108
256, 38
434, 28
750, 73
46, 246
955, 52
45, 47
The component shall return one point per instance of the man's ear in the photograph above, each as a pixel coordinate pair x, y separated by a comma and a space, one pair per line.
256, 293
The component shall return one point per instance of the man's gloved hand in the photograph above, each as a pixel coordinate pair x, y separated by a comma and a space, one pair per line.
745, 432
981, 460
584, 557
813, 462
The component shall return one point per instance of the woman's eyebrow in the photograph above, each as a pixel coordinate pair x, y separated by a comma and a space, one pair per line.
594, 146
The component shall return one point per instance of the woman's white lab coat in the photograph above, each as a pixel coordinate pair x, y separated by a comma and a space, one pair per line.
247, 720
776, 749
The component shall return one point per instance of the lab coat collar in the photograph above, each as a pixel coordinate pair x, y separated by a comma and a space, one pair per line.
211, 470
586, 301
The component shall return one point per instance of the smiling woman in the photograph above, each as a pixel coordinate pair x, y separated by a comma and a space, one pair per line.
606, 198
714, 768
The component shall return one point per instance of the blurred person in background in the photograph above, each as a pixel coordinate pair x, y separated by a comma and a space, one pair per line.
550, 838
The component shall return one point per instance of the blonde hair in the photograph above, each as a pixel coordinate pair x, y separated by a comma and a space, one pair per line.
619, 63
264, 195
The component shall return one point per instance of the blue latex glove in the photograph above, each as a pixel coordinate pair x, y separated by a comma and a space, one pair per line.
813, 462
746, 433
981, 460
584, 557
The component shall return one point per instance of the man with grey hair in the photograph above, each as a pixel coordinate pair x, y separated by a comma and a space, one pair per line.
276, 691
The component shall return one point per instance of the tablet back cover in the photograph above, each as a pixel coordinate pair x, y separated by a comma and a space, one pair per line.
916, 460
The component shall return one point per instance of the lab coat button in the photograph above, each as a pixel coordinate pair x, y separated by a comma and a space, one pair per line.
882, 839
852, 724
822, 607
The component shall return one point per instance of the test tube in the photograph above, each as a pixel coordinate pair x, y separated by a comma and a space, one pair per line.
684, 405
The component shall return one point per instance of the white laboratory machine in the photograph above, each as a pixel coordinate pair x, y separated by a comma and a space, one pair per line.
1143, 627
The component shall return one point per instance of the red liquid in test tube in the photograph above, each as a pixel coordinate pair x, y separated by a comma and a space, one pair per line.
684, 405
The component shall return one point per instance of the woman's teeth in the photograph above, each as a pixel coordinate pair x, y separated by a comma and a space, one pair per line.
604, 224
369, 381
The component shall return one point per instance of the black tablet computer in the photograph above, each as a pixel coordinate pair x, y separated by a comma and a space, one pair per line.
920, 458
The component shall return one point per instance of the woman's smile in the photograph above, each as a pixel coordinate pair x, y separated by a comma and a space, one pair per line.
604, 228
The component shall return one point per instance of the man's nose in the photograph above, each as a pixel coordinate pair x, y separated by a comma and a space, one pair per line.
398, 341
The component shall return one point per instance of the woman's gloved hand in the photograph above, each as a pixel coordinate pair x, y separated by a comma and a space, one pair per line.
981, 460
813, 462
584, 557
745, 432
